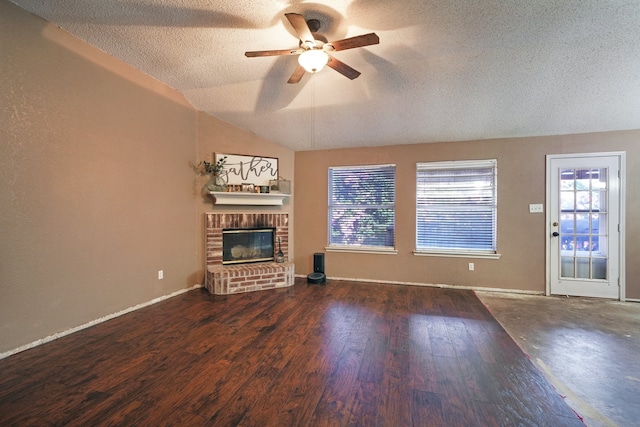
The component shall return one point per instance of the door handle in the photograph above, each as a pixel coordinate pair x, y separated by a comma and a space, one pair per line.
555, 234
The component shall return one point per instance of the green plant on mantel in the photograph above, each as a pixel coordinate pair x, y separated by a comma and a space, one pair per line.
211, 168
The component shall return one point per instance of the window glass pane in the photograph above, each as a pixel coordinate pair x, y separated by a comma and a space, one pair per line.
567, 223
599, 201
582, 223
599, 268
595, 223
583, 200
567, 201
362, 206
567, 180
567, 267
582, 231
456, 206
600, 181
583, 268
360, 226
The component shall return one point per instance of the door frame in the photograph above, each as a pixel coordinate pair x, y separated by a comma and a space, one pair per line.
622, 161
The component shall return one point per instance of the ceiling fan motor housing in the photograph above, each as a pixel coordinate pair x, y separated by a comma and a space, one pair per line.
314, 25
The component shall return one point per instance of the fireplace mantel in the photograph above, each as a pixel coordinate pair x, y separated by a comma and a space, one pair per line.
246, 198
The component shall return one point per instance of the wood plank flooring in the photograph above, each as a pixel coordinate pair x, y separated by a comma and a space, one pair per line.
345, 353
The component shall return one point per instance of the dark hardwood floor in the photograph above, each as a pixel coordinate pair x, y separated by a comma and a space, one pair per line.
345, 353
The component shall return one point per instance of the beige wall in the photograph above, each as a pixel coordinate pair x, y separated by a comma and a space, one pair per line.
521, 235
94, 193
96, 189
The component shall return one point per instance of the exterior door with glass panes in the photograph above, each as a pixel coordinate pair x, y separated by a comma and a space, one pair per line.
583, 214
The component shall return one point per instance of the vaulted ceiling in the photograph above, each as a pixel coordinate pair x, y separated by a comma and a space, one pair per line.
443, 71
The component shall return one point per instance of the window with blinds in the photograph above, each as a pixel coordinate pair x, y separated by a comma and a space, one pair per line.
362, 206
456, 206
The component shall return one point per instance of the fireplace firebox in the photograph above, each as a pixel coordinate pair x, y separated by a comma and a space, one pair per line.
247, 245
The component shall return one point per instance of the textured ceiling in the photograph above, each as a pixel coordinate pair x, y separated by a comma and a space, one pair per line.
443, 71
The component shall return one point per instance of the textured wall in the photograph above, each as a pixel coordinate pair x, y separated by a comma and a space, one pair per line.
521, 235
94, 183
97, 192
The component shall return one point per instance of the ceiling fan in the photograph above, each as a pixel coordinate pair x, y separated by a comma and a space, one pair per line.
314, 49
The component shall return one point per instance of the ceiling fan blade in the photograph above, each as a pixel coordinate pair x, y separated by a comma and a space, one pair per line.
256, 53
357, 41
297, 74
302, 29
342, 68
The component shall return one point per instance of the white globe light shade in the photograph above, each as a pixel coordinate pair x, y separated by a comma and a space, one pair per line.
313, 60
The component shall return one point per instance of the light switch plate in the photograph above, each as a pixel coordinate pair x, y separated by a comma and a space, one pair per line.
536, 208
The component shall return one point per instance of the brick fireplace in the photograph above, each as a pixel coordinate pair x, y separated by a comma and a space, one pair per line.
231, 279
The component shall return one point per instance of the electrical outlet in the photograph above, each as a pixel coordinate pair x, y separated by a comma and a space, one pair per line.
536, 208
472, 266
160, 274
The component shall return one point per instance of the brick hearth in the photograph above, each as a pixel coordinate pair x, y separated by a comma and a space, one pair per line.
231, 279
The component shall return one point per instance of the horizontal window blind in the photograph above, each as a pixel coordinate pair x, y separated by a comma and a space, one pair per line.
362, 206
456, 206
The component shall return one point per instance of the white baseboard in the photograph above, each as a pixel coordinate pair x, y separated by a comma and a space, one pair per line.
436, 285
94, 322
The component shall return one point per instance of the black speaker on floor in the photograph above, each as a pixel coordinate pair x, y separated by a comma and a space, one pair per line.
318, 275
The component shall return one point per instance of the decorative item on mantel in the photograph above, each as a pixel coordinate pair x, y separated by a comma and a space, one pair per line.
214, 170
280, 185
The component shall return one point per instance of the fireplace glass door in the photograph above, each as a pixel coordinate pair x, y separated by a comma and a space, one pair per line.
247, 245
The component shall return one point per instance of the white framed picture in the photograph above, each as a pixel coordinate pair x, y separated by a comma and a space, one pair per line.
240, 169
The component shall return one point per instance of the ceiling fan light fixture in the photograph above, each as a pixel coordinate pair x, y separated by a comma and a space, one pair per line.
313, 60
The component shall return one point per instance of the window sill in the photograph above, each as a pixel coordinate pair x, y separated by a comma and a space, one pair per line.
362, 249
457, 254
